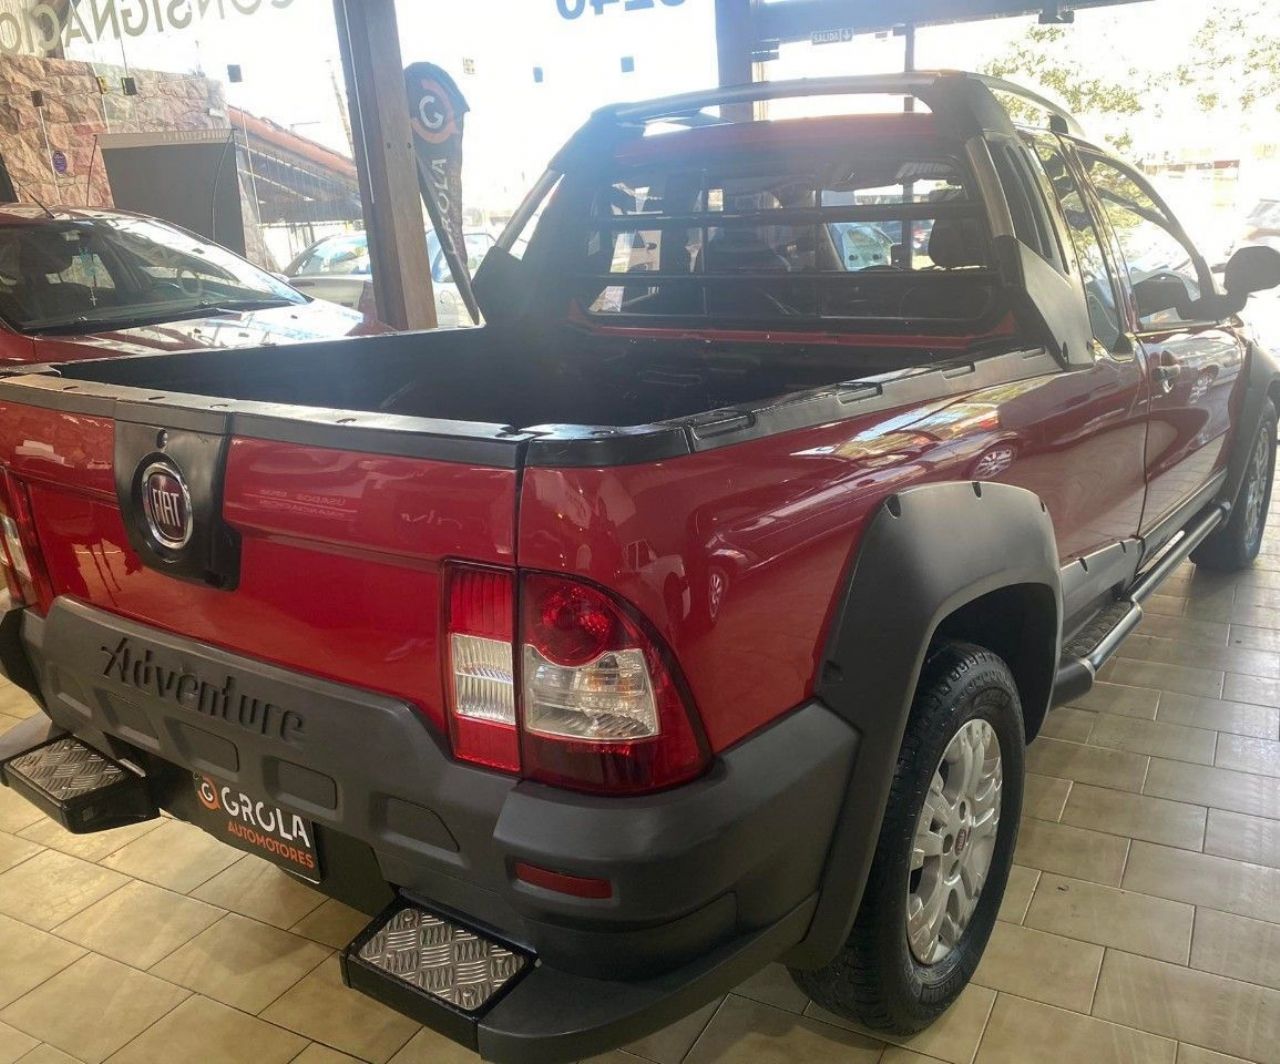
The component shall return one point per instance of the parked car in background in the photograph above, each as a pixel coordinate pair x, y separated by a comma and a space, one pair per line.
1262, 226
90, 283
338, 269
692, 614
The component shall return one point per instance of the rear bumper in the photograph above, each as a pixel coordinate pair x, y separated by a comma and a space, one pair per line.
709, 880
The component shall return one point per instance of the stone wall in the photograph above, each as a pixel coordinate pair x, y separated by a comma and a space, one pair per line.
74, 116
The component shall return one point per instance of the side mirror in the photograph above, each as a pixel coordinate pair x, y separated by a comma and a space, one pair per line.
1250, 270
1161, 292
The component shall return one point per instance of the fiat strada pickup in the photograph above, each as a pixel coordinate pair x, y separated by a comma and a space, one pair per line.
692, 614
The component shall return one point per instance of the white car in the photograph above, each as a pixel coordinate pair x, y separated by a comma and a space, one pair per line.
337, 269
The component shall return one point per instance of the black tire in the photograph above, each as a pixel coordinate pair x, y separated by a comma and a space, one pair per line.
1236, 544
876, 979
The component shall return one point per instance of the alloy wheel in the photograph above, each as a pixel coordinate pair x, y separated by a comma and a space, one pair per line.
955, 841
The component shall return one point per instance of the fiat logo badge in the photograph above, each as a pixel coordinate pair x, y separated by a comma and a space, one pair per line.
167, 505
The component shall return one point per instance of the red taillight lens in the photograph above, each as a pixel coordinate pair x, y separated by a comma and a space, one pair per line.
480, 677
23, 567
601, 709
589, 700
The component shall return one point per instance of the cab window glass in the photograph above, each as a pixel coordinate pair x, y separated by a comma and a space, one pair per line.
1099, 290
1161, 267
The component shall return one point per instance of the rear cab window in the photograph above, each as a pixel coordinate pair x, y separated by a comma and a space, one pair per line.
766, 224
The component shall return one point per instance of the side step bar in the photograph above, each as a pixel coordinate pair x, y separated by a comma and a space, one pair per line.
1082, 658
78, 787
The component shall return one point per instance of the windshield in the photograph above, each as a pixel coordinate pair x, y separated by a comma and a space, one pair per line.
336, 256
768, 225
83, 274
478, 245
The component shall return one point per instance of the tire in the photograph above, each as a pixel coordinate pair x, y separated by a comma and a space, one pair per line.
877, 979
1236, 544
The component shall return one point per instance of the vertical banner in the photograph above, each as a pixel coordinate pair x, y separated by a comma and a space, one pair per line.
437, 112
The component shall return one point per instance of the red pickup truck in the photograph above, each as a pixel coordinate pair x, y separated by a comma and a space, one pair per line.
692, 614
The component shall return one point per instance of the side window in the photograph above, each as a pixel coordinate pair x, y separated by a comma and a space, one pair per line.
1163, 270
1099, 289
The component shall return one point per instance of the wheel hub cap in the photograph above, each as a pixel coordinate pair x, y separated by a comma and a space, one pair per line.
955, 840
1256, 489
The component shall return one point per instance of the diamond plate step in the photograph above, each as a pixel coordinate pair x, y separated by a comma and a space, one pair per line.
435, 970
79, 787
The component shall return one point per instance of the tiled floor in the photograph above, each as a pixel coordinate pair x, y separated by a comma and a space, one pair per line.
1142, 922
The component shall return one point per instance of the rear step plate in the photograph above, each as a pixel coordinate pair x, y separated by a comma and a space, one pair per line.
429, 967
78, 787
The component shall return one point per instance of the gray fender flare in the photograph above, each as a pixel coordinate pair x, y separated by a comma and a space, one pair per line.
927, 552
1264, 372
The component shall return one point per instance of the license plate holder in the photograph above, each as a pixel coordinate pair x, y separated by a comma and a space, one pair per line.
257, 825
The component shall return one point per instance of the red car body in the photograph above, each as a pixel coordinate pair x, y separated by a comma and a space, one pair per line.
308, 320
800, 507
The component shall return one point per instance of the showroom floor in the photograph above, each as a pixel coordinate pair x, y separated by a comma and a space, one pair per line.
1140, 924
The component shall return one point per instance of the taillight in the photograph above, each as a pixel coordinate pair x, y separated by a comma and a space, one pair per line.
23, 571
481, 675
595, 706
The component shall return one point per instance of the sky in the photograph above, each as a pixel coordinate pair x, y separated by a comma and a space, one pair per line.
491, 47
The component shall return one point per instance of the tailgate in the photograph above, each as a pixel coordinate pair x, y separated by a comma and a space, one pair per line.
264, 537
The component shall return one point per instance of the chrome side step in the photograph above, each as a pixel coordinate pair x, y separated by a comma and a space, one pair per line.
78, 787
433, 969
1097, 644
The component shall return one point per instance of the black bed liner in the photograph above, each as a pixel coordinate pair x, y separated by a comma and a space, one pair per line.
79, 387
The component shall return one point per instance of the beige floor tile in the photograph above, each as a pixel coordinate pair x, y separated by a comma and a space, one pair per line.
321, 1008
1183, 678
333, 923
1041, 966
1108, 916
1186, 630
1044, 796
672, 1044
7, 722
15, 702
954, 1037
1241, 660
93, 1008
427, 1047
242, 963
315, 1053
898, 1055
1219, 788
1191, 1006
14, 1044
1175, 741
1020, 1032
748, 1032
1136, 815
52, 887
14, 850
16, 812
1117, 698
1071, 851
1097, 765
140, 924
774, 986
1188, 1054
1256, 690
1245, 754
176, 856
28, 957
255, 888
1238, 947
1243, 838
1067, 722
1017, 894
1202, 879
211, 1033
92, 847
1256, 638
47, 1054
1238, 718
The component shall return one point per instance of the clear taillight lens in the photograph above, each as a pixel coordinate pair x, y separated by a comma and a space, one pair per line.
481, 677
16, 558
608, 700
